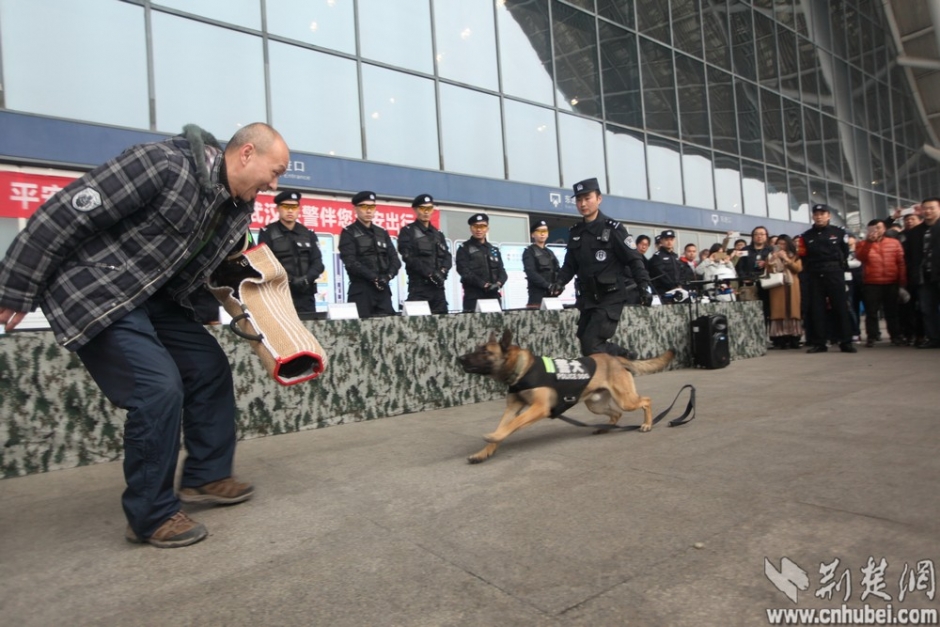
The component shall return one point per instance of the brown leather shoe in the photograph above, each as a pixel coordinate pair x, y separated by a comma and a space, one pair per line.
226, 491
178, 530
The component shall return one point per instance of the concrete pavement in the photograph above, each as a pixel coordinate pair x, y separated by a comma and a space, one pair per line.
808, 457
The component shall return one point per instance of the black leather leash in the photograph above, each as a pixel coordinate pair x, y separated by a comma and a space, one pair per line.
685, 418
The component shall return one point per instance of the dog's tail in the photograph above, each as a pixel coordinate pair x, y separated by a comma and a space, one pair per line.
648, 366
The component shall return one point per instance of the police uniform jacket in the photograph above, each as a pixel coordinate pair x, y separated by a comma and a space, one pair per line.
541, 266
598, 252
298, 250
826, 249
666, 270
158, 216
479, 263
367, 253
424, 251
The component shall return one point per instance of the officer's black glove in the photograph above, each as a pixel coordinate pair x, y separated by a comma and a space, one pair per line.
380, 283
646, 299
554, 289
436, 279
494, 287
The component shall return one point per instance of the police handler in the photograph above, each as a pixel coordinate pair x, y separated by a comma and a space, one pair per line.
369, 257
665, 267
825, 252
480, 265
599, 251
541, 266
427, 259
298, 250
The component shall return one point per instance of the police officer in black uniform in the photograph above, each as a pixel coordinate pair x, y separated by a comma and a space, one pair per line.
541, 266
665, 267
480, 265
298, 250
427, 259
370, 259
598, 251
825, 251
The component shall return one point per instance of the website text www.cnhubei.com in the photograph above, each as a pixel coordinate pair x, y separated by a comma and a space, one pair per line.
852, 616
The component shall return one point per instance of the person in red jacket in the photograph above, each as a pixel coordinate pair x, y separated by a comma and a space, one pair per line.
883, 272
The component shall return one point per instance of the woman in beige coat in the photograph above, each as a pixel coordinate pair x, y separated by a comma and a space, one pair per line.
786, 324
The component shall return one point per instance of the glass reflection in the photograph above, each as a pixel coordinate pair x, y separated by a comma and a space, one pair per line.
466, 42
697, 177
659, 88
226, 58
576, 69
626, 162
471, 132
297, 104
817, 191
582, 150
665, 170
799, 199
400, 118
620, 70
44, 80
717, 33
789, 64
693, 104
619, 11
531, 144
728, 184
723, 115
687, 26
754, 188
778, 194
326, 23
749, 122
766, 45
525, 49
742, 39
653, 19
812, 131
405, 33
242, 12
793, 135
771, 116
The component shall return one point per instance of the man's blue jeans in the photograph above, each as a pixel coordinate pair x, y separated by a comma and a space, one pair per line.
163, 367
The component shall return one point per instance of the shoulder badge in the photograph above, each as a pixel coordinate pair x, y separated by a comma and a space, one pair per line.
629, 242
86, 200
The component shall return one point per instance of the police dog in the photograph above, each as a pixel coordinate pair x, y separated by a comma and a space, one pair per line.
610, 391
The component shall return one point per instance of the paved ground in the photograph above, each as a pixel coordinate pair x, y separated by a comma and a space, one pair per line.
809, 457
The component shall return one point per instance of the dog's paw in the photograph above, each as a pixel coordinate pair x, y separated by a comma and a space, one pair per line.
476, 459
645, 428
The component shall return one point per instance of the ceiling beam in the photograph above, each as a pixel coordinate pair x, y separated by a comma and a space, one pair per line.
919, 62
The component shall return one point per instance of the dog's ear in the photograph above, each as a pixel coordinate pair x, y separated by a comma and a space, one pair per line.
506, 341
492, 338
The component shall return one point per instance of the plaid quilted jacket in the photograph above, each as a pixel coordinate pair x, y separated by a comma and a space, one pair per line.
108, 241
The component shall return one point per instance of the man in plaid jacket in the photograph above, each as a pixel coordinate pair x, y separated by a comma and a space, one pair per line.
116, 260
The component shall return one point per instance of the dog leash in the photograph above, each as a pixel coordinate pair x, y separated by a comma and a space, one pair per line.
685, 418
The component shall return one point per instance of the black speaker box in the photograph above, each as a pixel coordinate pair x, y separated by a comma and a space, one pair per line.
710, 341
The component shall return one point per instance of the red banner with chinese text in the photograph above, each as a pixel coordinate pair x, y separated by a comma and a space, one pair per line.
21, 193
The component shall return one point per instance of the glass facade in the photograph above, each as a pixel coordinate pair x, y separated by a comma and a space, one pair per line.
752, 107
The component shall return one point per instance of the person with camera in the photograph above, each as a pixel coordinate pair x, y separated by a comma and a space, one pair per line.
370, 259
600, 251
298, 250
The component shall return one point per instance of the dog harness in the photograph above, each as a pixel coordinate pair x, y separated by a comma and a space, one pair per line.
568, 377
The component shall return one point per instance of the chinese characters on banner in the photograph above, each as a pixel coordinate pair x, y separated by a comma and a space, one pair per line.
332, 216
21, 193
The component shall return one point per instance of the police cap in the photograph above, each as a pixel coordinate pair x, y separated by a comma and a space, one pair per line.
364, 198
287, 197
585, 186
666, 233
477, 218
541, 224
820, 207
422, 199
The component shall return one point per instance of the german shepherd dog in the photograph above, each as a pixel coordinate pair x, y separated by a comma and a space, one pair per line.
610, 391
